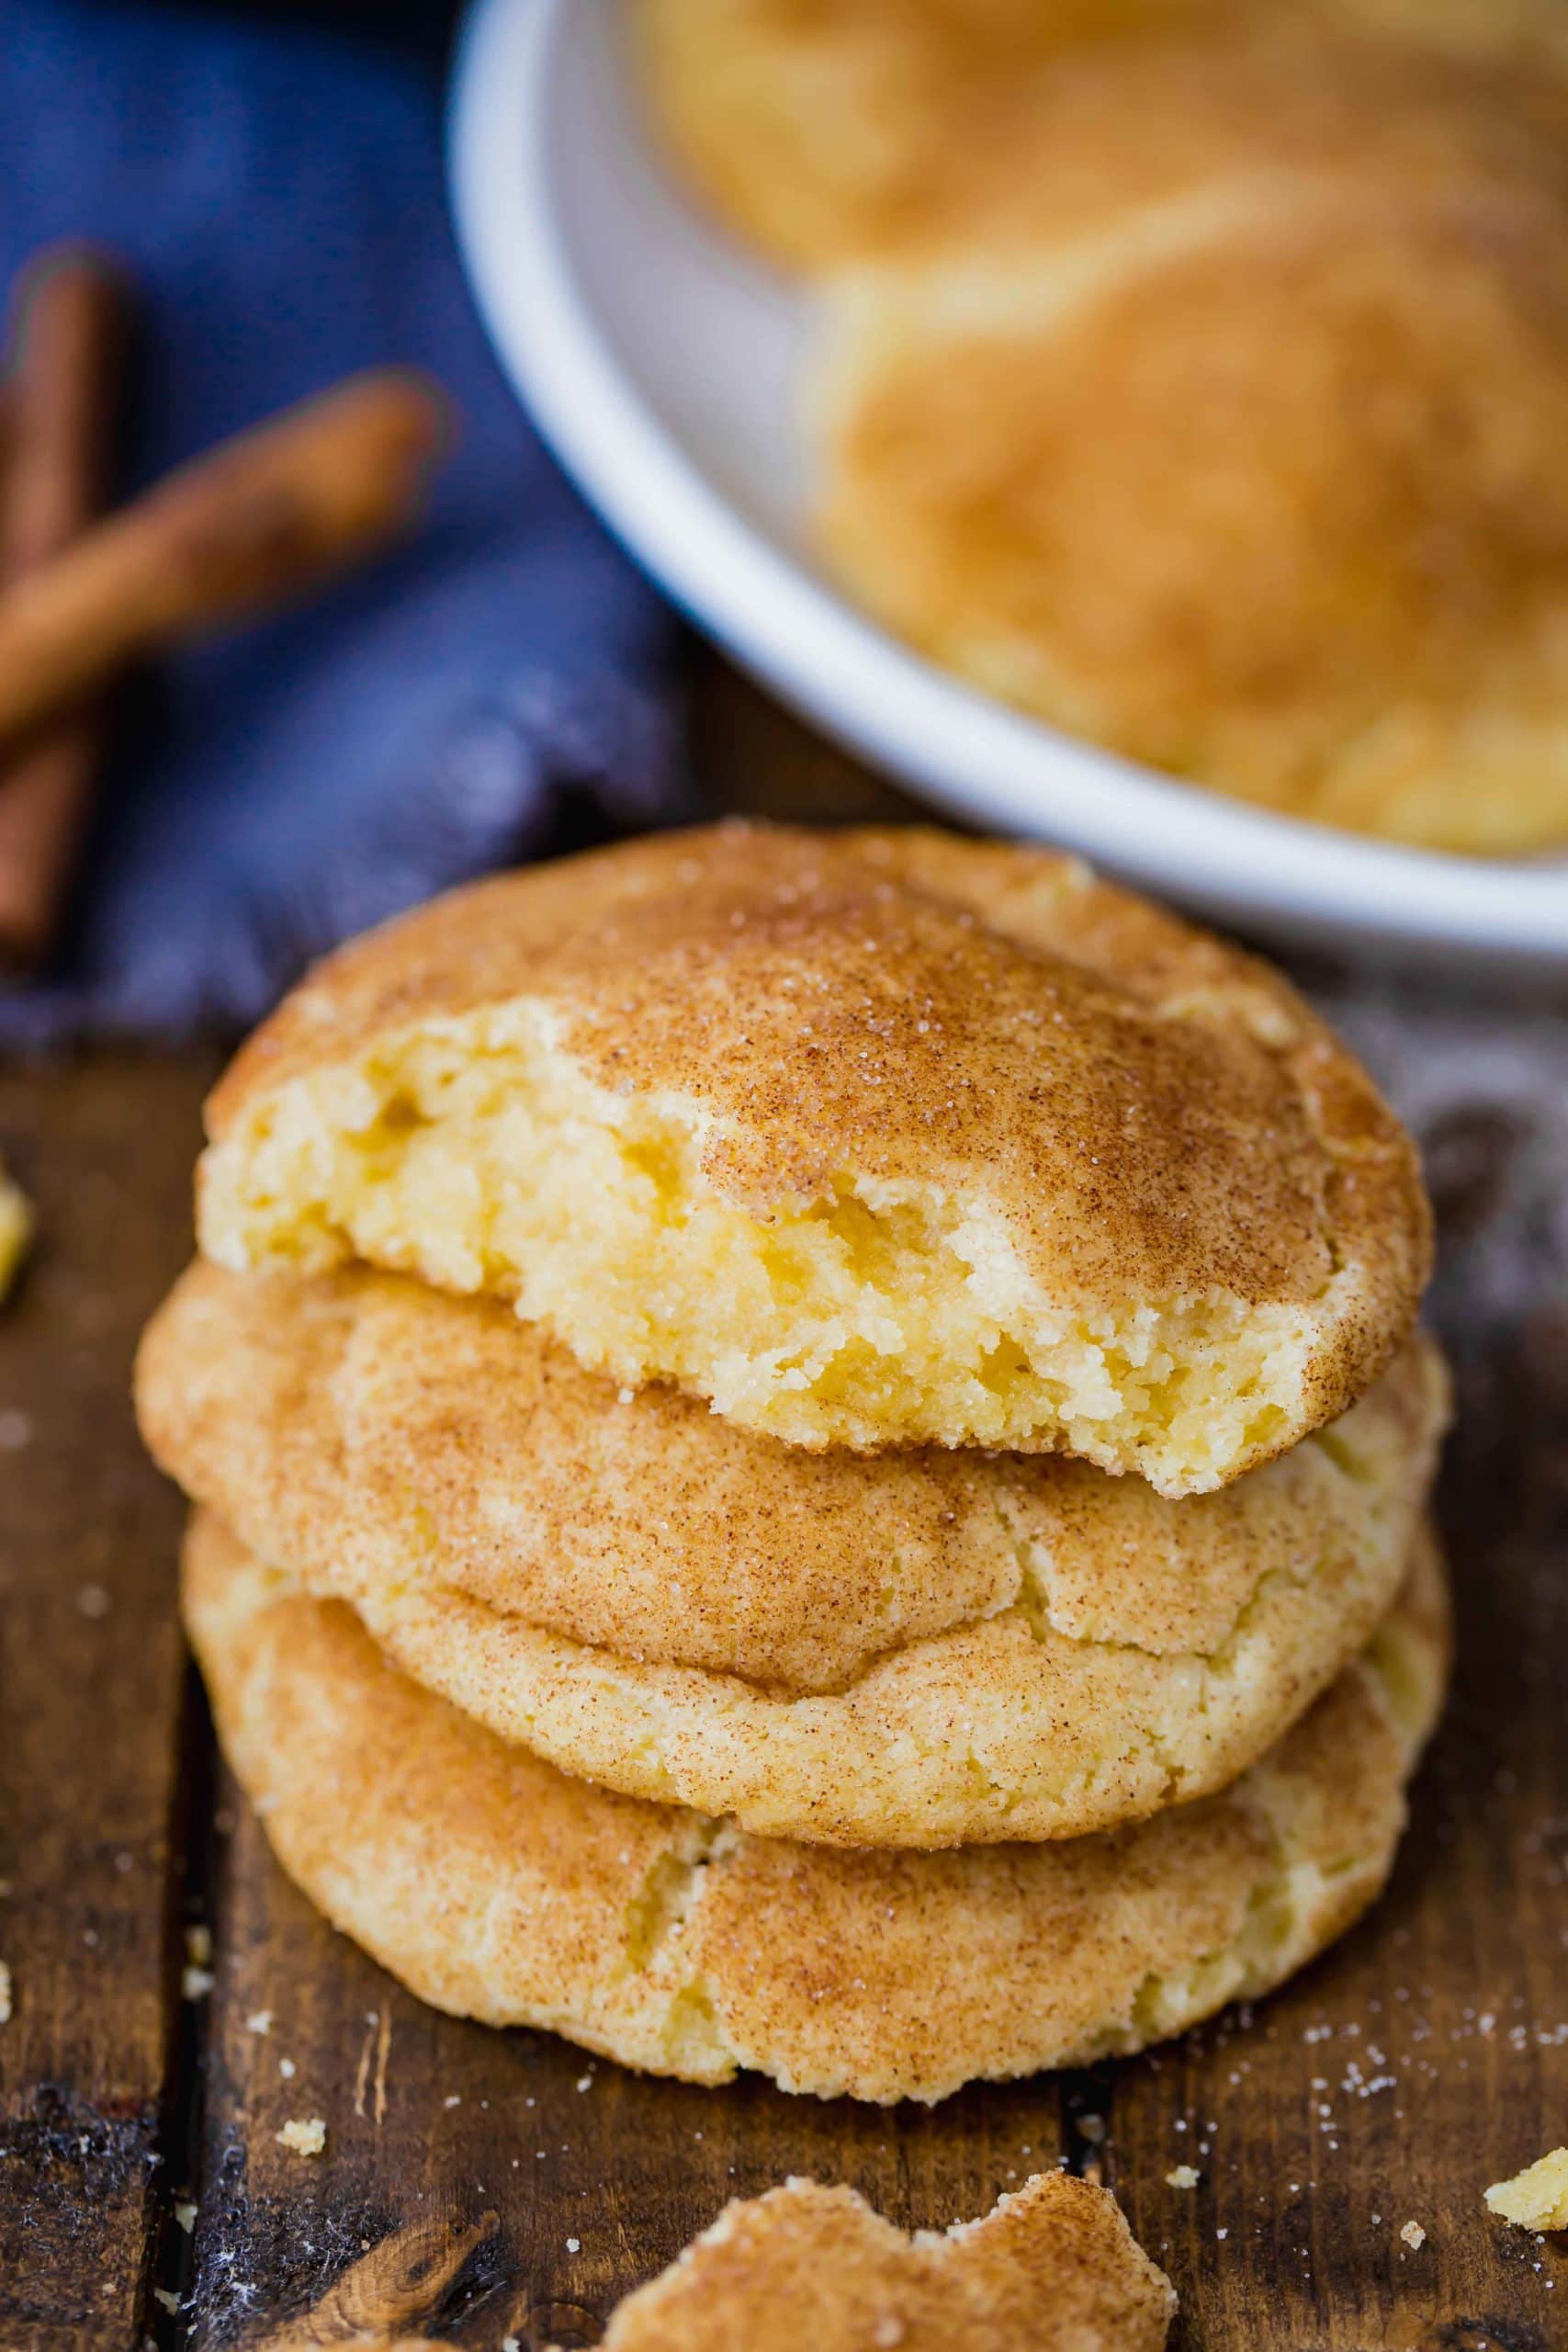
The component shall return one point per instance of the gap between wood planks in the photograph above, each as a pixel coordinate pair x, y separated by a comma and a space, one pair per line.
194, 1839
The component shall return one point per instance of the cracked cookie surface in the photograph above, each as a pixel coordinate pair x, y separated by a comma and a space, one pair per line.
494, 1886
926, 1647
868, 1138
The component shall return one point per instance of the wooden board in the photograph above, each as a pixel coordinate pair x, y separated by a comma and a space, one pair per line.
95, 1748
483, 2186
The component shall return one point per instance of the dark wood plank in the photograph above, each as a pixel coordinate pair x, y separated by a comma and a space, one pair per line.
92, 1674
752, 758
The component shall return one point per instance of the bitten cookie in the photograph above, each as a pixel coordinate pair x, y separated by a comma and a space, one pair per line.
870, 1138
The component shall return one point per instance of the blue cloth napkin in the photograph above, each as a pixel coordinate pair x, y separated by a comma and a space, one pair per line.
277, 189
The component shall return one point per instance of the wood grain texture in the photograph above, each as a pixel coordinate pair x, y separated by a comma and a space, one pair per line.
93, 1684
1425, 2058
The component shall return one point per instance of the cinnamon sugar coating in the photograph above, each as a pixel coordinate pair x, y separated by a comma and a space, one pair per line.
1053, 2268
921, 1647
870, 1138
495, 1887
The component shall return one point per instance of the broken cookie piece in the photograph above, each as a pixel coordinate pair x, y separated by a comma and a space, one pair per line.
1536, 2199
1052, 2266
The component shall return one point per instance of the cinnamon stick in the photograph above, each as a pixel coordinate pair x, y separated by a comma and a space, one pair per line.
255, 522
61, 399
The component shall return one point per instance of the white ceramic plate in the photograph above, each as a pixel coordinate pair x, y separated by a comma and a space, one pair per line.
658, 361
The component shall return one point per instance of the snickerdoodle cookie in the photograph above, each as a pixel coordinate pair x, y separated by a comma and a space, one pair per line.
494, 1886
923, 1647
871, 1138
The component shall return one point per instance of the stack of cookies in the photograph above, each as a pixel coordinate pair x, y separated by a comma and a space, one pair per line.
809, 1454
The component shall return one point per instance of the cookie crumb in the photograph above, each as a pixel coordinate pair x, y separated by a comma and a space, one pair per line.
304, 2138
259, 2021
1183, 2176
185, 2214
4, 1994
1414, 2236
1536, 2199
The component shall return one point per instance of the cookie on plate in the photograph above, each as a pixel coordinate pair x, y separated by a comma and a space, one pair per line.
821, 134
1245, 485
872, 130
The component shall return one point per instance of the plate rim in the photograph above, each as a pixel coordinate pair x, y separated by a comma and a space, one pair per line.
1235, 864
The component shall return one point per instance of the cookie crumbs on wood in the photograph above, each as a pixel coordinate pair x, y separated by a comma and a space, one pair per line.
1183, 2176
1414, 2236
303, 2137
